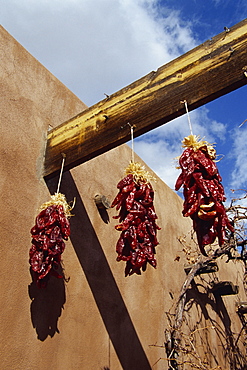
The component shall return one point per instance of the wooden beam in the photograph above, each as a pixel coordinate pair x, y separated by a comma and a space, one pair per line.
205, 73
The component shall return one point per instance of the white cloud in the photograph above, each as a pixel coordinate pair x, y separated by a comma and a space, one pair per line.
202, 125
159, 156
94, 46
239, 154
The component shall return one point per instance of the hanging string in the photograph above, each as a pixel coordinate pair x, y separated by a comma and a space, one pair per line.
61, 172
187, 111
132, 142
242, 123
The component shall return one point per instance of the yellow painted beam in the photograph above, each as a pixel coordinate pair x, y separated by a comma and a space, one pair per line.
205, 73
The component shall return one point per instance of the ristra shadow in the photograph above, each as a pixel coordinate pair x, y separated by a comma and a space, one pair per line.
46, 306
107, 296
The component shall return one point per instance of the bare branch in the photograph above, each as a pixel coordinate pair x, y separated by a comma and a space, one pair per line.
235, 249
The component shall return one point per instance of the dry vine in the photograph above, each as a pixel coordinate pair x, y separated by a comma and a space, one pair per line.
178, 343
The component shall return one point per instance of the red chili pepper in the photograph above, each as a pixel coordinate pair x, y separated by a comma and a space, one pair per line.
137, 241
51, 227
203, 196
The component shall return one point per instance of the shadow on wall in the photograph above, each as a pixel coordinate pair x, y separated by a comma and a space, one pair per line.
46, 306
229, 340
101, 281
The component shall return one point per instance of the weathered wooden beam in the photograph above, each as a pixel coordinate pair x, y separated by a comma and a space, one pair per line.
205, 73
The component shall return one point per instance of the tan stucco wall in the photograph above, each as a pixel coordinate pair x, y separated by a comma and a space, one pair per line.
98, 318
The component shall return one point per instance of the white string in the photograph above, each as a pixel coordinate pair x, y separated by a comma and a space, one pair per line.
61, 173
132, 141
187, 111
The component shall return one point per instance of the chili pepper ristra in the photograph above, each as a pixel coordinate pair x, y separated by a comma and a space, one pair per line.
48, 234
203, 192
137, 241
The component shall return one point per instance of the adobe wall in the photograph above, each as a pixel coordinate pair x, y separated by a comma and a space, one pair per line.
97, 318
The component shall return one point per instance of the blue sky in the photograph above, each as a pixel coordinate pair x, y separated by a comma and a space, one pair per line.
99, 46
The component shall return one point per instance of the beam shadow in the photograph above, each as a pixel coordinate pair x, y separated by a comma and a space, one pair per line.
107, 296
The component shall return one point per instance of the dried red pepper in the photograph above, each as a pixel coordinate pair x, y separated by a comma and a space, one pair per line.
50, 229
203, 192
137, 242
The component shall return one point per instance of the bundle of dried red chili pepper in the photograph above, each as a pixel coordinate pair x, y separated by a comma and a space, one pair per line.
51, 227
137, 242
203, 192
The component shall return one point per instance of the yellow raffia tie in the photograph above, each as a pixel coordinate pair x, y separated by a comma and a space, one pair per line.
194, 142
59, 200
139, 173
